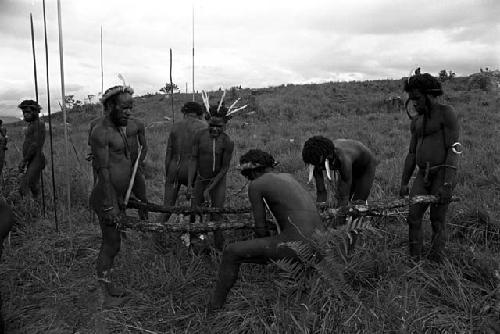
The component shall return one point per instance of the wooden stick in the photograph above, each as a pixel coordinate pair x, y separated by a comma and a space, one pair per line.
54, 195
370, 209
102, 75
132, 179
36, 95
193, 52
63, 96
171, 89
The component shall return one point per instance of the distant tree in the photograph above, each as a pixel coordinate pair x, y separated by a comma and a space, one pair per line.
444, 76
69, 101
167, 88
90, 97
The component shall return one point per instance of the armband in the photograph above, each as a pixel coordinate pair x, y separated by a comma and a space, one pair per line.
456, 148
107, 209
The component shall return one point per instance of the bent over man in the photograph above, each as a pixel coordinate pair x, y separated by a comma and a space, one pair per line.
33, 158
112, 160
291, 205
433, 148
353, 161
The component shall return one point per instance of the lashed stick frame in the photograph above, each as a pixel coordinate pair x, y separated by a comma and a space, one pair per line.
182, 223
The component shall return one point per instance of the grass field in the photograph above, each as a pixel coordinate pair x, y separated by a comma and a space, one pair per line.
48, 282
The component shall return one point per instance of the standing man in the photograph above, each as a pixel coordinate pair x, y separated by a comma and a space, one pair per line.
288, 201
112, 161
3, 145
353, 161
179, 149
211, 155
33, 158
433, 148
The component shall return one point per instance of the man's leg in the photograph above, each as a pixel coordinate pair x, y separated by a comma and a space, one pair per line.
33, 172
170, 195
251, 251
218, 196
415, 216
363, 184
438, 222
110, 246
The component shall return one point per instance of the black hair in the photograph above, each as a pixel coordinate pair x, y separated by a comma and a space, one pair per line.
316, 150
31, 104
222, 113
192, 108
258, 157
425, 83
110, 96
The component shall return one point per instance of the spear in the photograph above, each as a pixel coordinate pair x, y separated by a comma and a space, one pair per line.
171, 89
54, 195
63, 96
102, 74
36, 95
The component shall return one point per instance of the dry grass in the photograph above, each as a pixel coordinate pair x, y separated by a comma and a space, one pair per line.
48, 283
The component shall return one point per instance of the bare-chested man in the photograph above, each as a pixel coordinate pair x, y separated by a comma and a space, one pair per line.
433, 148
136, 135
211, 155
292, 206
353, 161
112, 160
33, 158
3, 145
179, 149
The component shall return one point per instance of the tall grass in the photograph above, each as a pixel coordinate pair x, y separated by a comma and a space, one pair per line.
48, 281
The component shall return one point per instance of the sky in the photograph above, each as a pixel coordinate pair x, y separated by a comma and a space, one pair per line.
257, 43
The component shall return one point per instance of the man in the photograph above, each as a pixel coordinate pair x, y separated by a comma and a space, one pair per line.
291, 205
33, 158
136, 135
211, 155
3, 145
179, 149
113, 162
353, 161
6, 223
433, 148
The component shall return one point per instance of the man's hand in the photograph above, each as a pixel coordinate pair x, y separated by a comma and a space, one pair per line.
111, 215
445, 193
404, 190
206, 195
22, 167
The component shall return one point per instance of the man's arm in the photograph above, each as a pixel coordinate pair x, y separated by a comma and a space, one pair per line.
344, 183
141, 137
193, 162
36, 142
226, 161
410, 161
259, 211
100, 149
321, 194
451, 134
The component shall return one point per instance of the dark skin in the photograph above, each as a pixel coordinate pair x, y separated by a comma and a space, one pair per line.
178, 156
114, 170
210, 158
297, 218
6, 223
33, 158
430, 149
3, 146
136, 135
355, 165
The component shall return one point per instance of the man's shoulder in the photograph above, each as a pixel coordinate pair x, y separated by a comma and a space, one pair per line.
447, 111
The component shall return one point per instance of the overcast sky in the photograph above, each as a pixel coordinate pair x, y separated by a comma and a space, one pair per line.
255, 43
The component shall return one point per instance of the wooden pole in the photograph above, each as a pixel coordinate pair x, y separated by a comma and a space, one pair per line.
102, 74
63, 96
193, 53
171, 89
54, 195
36, 95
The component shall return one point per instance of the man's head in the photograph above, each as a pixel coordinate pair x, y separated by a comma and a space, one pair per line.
318, 152
30, 110
217, 120
256, 162
118, 103
1, 122
192, 108
419, 87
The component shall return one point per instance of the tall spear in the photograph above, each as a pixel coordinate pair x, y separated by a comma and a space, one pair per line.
171, 89
193, 52
63, 96
50, 119
102, 74
36, 95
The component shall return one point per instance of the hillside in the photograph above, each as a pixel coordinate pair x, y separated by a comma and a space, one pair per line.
47, 279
